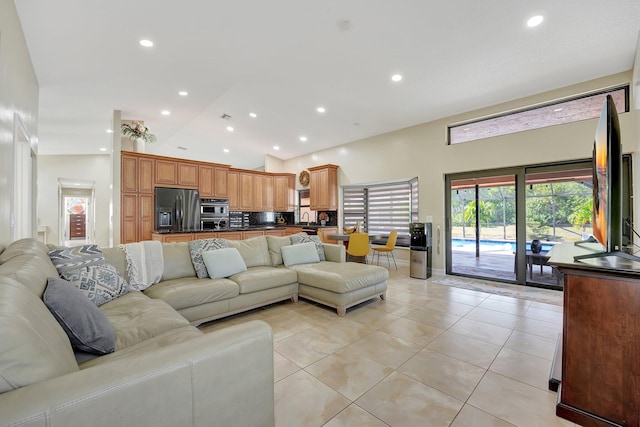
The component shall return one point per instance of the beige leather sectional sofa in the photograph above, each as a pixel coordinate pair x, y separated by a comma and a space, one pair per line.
165, 371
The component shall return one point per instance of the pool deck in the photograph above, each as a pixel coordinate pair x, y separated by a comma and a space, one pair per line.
499, 265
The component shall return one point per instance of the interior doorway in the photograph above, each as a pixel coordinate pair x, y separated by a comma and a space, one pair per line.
77, 213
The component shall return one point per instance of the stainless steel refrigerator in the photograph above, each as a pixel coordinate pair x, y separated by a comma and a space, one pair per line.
177, 209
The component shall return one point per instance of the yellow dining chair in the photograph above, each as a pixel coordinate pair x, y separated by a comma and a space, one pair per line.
388, 248
323, 235
358, 246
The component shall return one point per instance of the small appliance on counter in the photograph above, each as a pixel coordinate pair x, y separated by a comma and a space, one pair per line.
238, 219
214, 214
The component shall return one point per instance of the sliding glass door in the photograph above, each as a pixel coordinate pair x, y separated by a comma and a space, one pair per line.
501, 224
483, 226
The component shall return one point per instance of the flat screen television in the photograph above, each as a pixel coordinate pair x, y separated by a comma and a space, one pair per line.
607, 220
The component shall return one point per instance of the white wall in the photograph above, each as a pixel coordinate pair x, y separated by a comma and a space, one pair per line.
18, 94
81, 168
422, 151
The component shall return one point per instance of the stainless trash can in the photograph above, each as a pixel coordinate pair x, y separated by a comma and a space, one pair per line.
420, 250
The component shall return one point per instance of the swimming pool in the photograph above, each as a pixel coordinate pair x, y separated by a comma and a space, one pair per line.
486, 245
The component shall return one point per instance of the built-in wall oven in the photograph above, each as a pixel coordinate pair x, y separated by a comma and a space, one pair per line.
214, 214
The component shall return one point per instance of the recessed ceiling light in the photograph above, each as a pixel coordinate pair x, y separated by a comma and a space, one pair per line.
396, 77
534, 21
165, 112
183, 93
180, 147
230, 128
146, 43
109, 130
275, 147
303, 138
320, 110
226, 150
103, 149
253, 115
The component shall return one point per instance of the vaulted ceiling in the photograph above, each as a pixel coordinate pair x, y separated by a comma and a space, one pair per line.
283, 59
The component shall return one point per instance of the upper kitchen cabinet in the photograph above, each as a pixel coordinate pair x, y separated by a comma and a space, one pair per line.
323, 187
174, 173
212, 181
136, 174
233, 182
283, 192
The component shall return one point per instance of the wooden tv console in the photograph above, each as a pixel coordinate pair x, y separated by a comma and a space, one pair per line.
600, 349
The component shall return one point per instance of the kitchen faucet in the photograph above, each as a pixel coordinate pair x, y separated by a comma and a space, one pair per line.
218, 223
307, 214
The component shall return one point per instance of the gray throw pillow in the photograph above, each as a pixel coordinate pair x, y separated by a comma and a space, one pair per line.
196, 247
86, 326
298, 238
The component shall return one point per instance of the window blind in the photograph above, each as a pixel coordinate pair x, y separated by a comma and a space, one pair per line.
382, 208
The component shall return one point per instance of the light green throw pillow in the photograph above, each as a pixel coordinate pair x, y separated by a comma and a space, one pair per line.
303, 253
223, 262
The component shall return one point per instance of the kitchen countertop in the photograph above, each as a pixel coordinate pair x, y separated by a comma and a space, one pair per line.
252, 227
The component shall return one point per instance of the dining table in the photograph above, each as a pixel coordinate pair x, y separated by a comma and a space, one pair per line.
344, 238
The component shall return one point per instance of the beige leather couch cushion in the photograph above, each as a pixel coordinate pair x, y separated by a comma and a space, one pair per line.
33, 346
177, 261
275, 245
191, 291
148, 346
136, 317
340, 277
30, 269
254, 251
23, 246
260, 278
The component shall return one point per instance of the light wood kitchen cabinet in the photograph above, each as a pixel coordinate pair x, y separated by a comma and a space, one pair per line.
284, 192
267, 193
175, 173
231, 235
220, 181
174, 238
128, 218
258, 193
166, 172
288, 231
145, 175
212, 182
245, 191
146, 213
323, 187
233, 182
188, 175
206, 182
137, 217
129, 174
252, 233
278, 232
136, 174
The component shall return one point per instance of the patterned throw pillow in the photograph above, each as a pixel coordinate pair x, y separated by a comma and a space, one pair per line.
196, 247
69, 259
296, 239
100, 283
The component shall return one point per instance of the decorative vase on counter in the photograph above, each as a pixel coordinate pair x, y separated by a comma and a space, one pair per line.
138, 145
323, 222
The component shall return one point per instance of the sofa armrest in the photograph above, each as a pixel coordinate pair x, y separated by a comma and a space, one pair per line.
221, 378
335, 253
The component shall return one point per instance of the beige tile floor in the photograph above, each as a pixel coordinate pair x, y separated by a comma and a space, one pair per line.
428, 355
